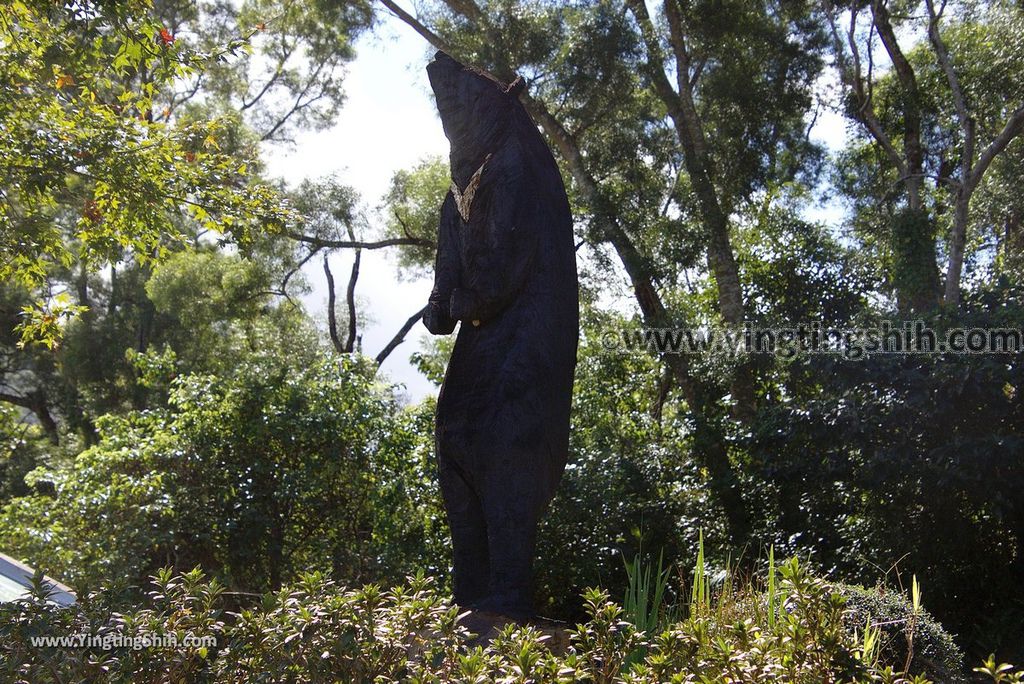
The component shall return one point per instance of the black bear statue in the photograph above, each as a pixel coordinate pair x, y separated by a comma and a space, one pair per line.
506, 270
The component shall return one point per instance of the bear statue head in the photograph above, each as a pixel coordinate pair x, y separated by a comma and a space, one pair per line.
475, 108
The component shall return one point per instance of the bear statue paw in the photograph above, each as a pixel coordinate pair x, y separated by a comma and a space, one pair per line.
463, 305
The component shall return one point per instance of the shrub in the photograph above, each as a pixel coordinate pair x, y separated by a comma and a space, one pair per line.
257, 476
316, 631
935, 654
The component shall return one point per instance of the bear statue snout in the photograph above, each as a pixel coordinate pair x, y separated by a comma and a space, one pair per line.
442, 57
442, 71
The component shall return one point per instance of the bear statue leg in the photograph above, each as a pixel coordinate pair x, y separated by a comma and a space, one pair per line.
513, 499
512, 541
469, 535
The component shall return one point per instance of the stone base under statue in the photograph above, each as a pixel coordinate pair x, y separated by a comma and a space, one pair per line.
485, 626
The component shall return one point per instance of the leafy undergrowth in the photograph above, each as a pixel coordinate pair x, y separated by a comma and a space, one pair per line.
797, 630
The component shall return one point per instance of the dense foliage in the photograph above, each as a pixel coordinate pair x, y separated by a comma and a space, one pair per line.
93, 165
256, 476
317, 631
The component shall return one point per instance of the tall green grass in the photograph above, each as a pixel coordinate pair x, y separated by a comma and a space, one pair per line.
644, 602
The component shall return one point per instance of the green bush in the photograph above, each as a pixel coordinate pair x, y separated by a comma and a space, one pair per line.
257, 476
934, 653
316, 631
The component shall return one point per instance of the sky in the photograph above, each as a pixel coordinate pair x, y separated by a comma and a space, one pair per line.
388, 123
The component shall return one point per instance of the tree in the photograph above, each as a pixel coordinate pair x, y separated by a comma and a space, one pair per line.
83, 151
413, 206
956, 99
132, 133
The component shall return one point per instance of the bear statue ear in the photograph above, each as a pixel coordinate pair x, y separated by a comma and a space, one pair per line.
517, 86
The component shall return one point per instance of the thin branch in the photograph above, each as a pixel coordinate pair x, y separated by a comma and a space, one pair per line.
278, 72
288, 276
851, 74
403, 224
400, 336
1014, 127
697, 71
671, 191
299, 105
177, 99
359, 244
418, 27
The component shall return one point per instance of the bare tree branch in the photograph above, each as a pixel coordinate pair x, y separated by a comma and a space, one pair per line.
399, 336
332, 322
852, 75
359, 244
418, 27
350, 296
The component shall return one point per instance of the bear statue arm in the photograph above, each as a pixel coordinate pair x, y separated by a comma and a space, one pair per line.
502, 264
437, 315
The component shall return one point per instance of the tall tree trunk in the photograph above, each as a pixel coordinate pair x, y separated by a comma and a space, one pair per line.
682, 110
957, 247
709, 441
82, 285
1011, 245
915, 291
911, 292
